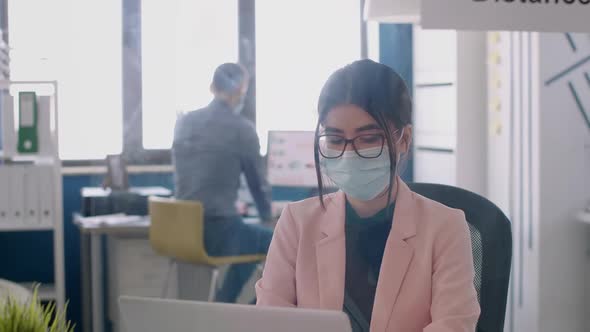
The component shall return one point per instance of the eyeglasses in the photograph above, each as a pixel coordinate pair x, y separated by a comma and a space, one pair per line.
367, 146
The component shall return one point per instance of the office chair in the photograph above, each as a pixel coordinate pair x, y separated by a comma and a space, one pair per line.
177, 231
491, 239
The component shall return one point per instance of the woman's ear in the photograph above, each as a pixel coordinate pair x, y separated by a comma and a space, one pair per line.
406, 139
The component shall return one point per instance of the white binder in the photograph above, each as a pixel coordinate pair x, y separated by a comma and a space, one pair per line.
16, 196
46, 195
31, 194
8, 132
4, 195
46, 147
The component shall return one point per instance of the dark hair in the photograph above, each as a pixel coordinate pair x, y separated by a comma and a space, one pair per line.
229, 77
378, 90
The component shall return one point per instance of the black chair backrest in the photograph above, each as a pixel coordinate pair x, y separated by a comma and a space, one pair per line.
491, 238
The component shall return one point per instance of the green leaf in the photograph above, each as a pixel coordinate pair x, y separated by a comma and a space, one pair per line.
32, 316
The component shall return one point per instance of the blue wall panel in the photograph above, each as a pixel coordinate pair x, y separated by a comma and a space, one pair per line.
396, 51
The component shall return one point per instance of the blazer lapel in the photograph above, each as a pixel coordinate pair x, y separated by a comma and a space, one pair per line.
331, 254
396, 258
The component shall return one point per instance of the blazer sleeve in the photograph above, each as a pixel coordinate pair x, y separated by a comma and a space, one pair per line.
277, 286
454, 307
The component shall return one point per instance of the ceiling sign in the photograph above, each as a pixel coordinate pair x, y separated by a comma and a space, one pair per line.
392, 11
518, 15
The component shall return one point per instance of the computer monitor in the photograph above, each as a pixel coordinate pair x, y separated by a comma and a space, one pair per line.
117, 177
290, 161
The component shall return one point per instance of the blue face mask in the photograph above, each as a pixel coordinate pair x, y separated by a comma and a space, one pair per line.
360, 178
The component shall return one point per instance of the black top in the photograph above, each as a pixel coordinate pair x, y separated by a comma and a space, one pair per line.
365, 244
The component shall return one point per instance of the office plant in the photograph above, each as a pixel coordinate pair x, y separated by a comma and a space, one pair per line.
31, 316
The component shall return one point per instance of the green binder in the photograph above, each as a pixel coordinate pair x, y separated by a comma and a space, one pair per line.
28, 138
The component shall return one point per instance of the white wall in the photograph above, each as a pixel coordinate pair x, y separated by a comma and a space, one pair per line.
564, 184
435, 111
528, 150
539, 173
450, 113
471, 148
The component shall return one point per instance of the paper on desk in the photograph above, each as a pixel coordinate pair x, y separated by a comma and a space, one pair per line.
119, 219
151, 191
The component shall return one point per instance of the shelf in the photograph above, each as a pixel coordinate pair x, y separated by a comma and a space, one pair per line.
46, 291
52, 185
26, 159
7, 227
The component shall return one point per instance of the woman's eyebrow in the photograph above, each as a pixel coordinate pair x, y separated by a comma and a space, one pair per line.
333, 130
372, 126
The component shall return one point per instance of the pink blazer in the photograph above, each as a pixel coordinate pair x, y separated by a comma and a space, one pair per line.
426, 278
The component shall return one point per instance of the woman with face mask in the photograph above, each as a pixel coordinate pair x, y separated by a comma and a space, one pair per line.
388, 257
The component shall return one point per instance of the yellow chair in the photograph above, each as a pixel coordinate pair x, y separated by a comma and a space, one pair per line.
177, 231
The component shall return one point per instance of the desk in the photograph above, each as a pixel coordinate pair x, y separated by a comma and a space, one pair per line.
92, 231
99, 201
92, 264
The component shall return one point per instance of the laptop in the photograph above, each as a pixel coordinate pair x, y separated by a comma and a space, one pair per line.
159, 315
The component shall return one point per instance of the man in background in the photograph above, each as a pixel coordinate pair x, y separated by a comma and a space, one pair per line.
212, 147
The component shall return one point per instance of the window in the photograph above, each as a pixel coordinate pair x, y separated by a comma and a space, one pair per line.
373, 35
77, 43
183, 41
298, 45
